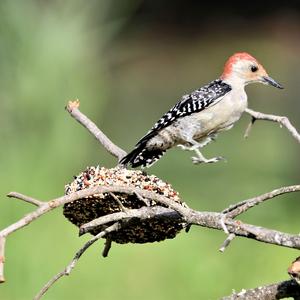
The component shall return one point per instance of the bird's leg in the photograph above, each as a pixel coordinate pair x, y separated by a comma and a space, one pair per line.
185, 147
199, 158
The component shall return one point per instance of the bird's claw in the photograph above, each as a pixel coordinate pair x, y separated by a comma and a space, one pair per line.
198, 160
221, 158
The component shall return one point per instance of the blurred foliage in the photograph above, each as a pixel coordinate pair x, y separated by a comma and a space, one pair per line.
127, 71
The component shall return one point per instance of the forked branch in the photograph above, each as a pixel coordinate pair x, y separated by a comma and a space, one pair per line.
241, 207
283, 121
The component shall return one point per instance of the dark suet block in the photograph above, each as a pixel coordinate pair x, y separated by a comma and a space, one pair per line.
85, 210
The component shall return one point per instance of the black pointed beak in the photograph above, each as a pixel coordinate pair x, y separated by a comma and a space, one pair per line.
270, 81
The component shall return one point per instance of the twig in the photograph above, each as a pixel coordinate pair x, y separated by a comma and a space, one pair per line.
2, 258
222, 222
241, 207
249, 127
227, 242
113, 149
146, 201
47, 286
122, 207
77, 256
275, 291
283, 121
107, 246
230, 236
25, 198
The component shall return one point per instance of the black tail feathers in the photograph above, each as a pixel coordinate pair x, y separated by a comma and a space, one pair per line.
141, 156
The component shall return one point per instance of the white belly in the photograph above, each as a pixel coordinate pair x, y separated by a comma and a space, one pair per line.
221, 116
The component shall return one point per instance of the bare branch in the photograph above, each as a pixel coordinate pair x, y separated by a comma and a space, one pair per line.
146, 201
2, 258
107, 246
275, 291
265, 235
243, 206
230, 236
141, 213
249, 127
212, 220
204, 219
113, 149
52, 204
174, 210
222, 221
25, 198
77, 256
227, 242
283, 121
47, 286
121, 206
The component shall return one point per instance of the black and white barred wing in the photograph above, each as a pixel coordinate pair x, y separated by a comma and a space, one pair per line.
197, 101
192, 103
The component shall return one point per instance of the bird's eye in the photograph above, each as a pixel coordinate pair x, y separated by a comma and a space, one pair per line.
254, 68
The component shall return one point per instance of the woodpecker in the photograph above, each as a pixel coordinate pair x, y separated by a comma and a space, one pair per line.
199, 116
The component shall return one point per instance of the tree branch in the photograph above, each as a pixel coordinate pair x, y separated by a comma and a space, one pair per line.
241, 207
107, 246
204, 219
2, 258
140, 213
283, 121
227, 242
274, 291
113, 149
184, 214
26, 199
74, 261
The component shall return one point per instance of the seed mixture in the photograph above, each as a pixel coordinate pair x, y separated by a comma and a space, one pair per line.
87, 209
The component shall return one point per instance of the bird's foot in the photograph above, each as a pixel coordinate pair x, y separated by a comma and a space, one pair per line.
199, 160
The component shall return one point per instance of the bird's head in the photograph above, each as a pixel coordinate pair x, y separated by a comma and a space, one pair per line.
242, 68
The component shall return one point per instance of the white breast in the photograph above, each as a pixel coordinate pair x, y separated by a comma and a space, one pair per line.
220, 116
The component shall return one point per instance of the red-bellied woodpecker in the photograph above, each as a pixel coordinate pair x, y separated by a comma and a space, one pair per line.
199, 116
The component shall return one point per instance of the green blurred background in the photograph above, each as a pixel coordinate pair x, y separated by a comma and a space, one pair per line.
128, 62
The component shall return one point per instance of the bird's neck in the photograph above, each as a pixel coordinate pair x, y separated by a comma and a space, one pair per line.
234, 81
